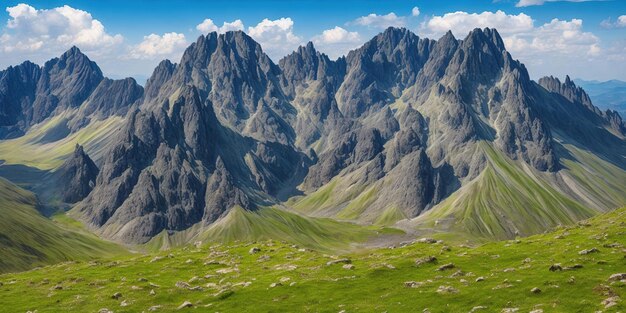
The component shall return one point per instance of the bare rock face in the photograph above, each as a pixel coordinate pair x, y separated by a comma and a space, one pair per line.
17, 93
77, 175
379, 70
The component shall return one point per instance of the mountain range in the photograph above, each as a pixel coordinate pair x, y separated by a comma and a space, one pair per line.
424, 135
606, 94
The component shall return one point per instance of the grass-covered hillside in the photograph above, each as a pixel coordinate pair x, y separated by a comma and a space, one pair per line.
571, 269
28, 239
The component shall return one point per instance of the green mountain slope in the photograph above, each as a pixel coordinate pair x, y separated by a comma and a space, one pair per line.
497, 276
242, 225
27, 239
510, 199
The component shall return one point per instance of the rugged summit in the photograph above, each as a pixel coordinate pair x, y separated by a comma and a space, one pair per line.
401, 128
32, 94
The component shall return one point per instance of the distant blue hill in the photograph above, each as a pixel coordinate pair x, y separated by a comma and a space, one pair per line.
609, 94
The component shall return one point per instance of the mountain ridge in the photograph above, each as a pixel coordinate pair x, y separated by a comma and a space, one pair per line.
382, 135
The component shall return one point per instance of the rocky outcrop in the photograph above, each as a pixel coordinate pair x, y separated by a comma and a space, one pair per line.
77, 176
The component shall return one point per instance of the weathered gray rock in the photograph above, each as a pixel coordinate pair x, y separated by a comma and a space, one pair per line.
77, 176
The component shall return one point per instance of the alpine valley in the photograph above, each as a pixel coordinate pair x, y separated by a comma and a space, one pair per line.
229, 154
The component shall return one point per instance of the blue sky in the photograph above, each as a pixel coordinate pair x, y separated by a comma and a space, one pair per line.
586, 39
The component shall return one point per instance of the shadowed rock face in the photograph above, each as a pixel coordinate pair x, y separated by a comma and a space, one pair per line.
225, 127
77, 176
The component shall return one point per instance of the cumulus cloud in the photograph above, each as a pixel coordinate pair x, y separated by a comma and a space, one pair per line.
462, 23
154, 46
337, 41
337, 35
542, 47
380, 21
526, 3
519, 32
275, 36
208, 26
415, 11
31, 30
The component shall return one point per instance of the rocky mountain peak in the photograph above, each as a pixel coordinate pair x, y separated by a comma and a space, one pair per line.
569, 90
77, 175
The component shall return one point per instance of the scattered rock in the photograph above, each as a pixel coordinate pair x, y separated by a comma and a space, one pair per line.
508, 270
425, 260
413, 284
152, 292
446, 267
555, 267
588, 251
478, 308
154, 308
263, 258
446, 289
535, 290
105, 310
510, 310
116, 295
617, 277
610, 302
348, 266
141, 279
124, 303
57, 287
273, 285
194, 279
338, 261
156, 258
573, 267
185, 304
254, 250
479, 279
182, 285
426, 240
189, 261
537, 311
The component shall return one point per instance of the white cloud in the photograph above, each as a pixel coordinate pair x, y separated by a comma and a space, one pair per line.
30, 30
337, 41
526, 3
415, 11
380, 21
519, 32
154, 46
556, 47
558, 37
619, 23
337, 35
208, 26
275, 36
461, 23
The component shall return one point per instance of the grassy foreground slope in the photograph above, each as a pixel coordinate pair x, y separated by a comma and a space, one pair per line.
28, 239
283, 278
